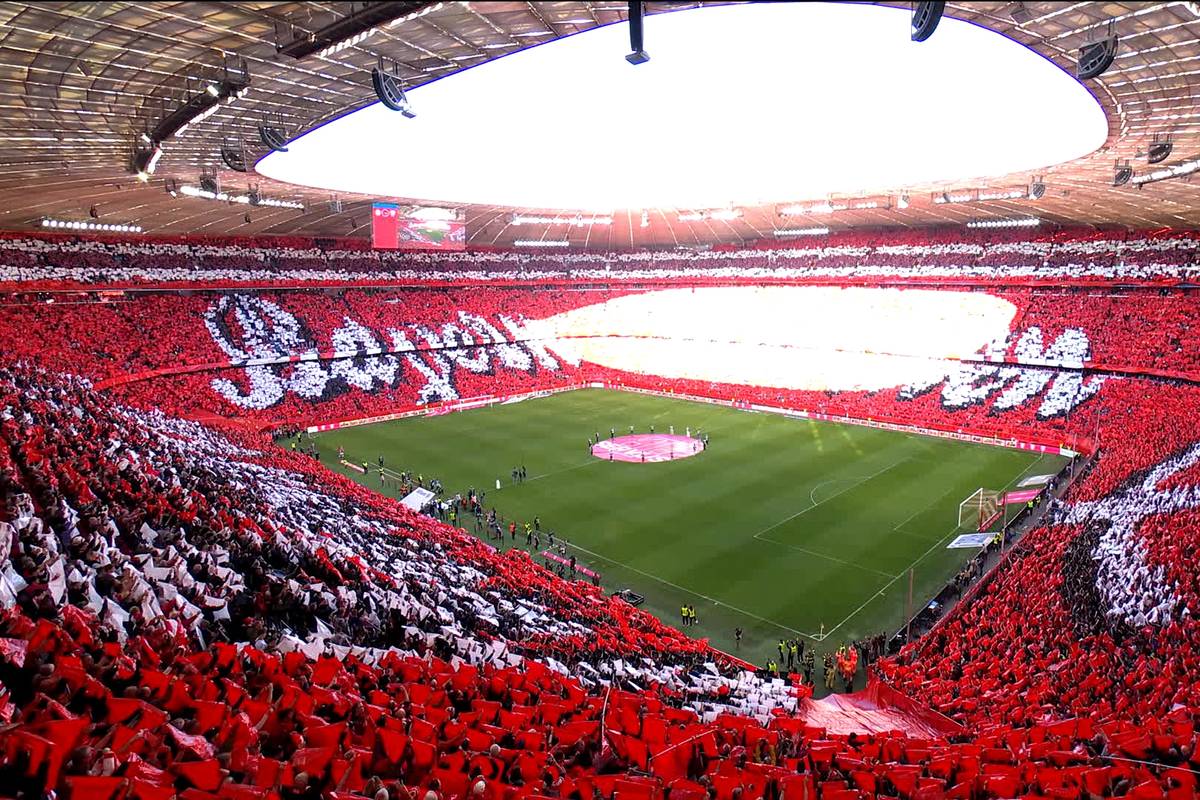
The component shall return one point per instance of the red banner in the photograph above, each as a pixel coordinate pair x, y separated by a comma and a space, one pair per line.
385, 219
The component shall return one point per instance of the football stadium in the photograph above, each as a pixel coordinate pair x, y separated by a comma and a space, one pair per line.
497, 400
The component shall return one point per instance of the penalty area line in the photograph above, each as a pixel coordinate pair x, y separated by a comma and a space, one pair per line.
922, 557
713, 600
888, 585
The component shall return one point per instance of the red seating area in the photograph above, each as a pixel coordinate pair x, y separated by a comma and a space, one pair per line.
139, 706
141, 333
429, 351
144, 654
152, 719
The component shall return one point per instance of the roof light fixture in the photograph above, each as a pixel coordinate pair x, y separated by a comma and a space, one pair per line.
542, 243
577, 221
784, 233
1022, 222
202, 193
1179, 170
78, 225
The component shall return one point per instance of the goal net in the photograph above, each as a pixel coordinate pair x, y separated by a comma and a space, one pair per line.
979, 510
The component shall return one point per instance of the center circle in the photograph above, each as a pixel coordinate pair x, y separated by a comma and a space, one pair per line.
647, 448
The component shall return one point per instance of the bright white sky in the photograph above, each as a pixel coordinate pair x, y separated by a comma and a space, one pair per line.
745, 104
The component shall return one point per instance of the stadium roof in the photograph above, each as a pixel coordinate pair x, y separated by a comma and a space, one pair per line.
81, 81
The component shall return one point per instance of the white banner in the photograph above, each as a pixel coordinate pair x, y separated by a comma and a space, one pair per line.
417, 498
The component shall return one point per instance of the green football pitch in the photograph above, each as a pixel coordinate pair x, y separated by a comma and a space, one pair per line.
784, 527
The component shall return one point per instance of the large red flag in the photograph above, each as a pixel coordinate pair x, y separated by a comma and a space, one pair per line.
93, 788
204, 775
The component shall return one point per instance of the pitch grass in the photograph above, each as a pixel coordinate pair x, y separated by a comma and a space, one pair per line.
784, 527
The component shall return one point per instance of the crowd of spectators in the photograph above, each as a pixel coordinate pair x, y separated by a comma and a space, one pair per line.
1056, 256
190, 610
311, 356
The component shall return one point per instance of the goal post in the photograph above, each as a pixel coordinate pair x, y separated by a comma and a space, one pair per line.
979, 510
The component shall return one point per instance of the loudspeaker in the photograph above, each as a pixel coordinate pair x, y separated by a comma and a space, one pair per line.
1096, 57
925, 18
639, 54
390, 92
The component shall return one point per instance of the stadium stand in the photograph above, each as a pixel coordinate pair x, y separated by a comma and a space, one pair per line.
186, 606
1079, 256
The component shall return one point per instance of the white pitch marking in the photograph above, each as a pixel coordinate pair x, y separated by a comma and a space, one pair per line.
693, 592
859, 482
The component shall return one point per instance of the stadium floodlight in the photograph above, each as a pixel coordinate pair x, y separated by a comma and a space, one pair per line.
645, 219
209, 190
390, 89
1179, 170
577, 221
1160, 149
76, 225
830, 207
1021, 222
926, 15
902, 202
785, 233
1037, 189
1002, 194
542, 243
144, 161
1096, 57
959, 197
636, 33
710, 213
420, 12
344, 43
817, 208
348, 30
232, 83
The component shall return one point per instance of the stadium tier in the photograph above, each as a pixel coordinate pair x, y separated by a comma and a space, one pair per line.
190, 608
1070, 256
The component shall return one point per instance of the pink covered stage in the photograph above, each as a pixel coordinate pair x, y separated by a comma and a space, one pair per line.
647, 448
